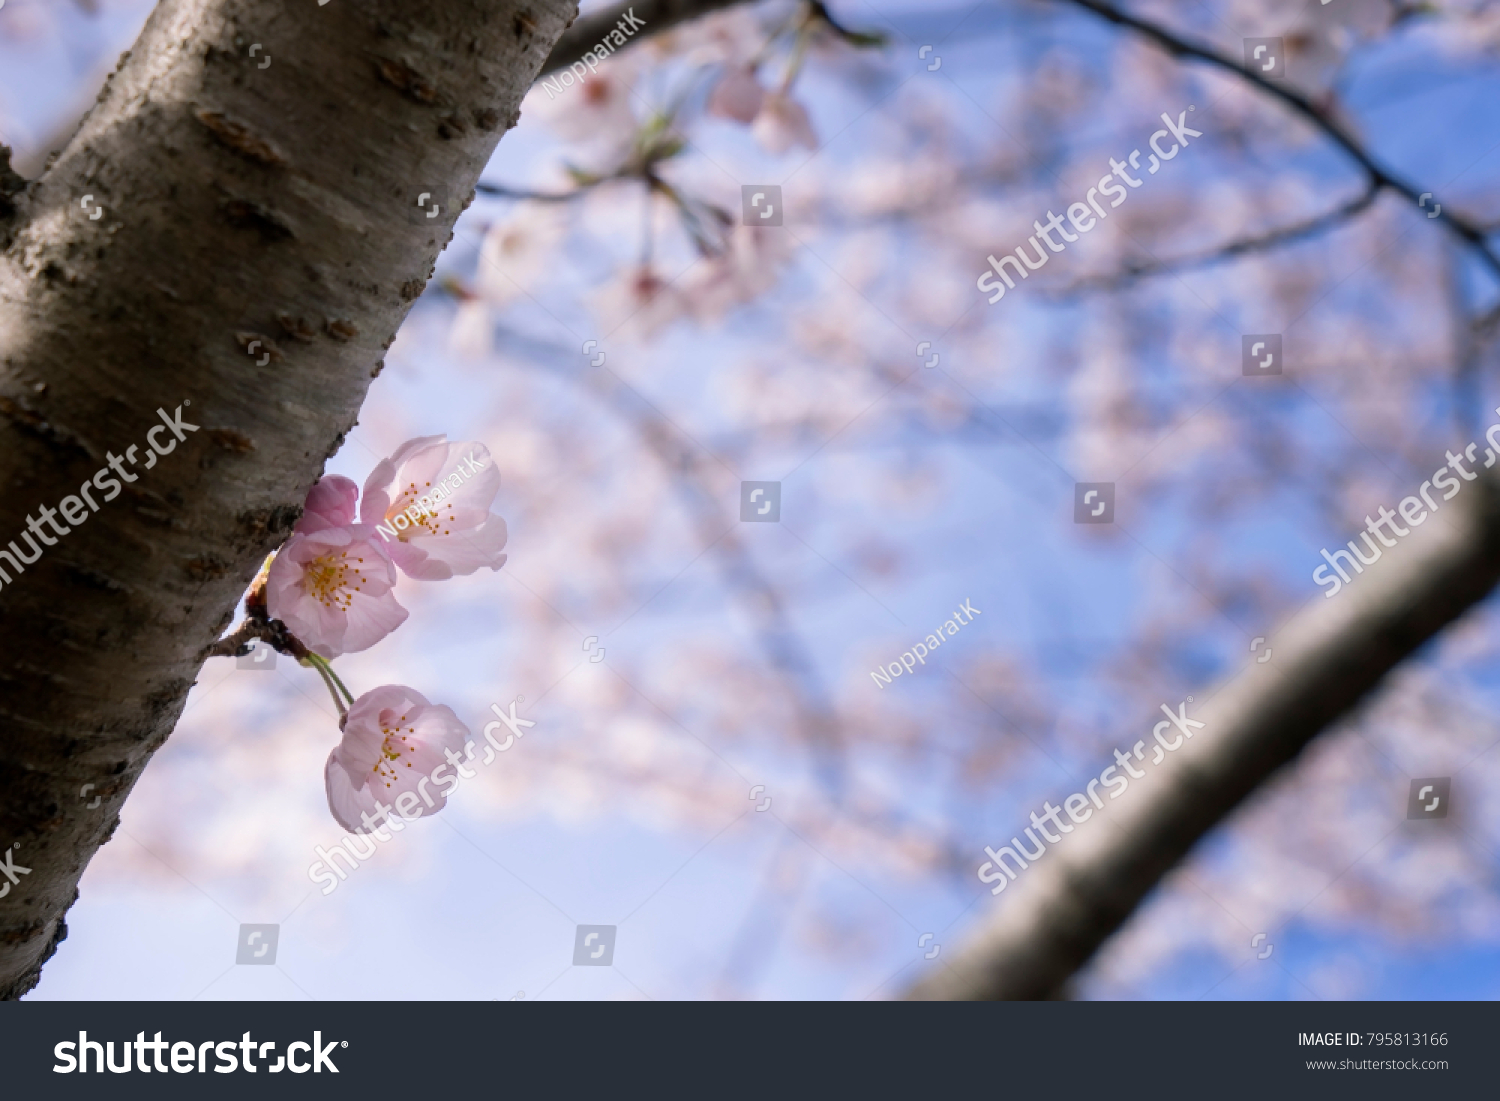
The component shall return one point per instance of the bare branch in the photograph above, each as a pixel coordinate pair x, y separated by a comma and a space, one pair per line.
657, 15
500, 191
1178, 46
1328, 658
784, 649
1260, 242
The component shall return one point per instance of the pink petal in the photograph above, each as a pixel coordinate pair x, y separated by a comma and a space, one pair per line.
410, 560
783, 123
459, 535
459, 554
330, 503
360, 748
345, 800
370, 619
378, 492
331, 628
737, 95
360, 778
420, 443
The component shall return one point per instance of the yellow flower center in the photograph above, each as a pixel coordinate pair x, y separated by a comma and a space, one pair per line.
427, 523
334, 578
391, 749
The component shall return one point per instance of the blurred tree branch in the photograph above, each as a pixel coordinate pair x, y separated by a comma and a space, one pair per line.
1260, 242
817, 720
657, 15
1178, 46
1327, 659
818, 723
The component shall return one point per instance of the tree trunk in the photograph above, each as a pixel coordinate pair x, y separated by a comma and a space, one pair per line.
259, 243
1324, 661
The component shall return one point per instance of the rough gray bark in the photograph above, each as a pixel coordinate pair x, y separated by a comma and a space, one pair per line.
1328, 657
583, 36
259, 244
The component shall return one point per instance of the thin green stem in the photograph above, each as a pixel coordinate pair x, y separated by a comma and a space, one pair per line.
794, 62
327, 683
324, 666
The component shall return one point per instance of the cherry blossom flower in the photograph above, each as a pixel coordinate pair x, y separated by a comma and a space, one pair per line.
332, 589
737, 95
749, 265
431, 501
638, 296
472, 334
331, 503
783, 123
518, 252
598, 117
395, 746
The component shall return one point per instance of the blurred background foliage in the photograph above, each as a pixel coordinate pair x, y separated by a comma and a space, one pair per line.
739, 654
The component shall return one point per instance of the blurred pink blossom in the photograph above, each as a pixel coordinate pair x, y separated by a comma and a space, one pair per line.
395, 742
737, 95
332, 589
472, 334
518, 252
749, 266
432, 501
783, 123
598, 116
639, 294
